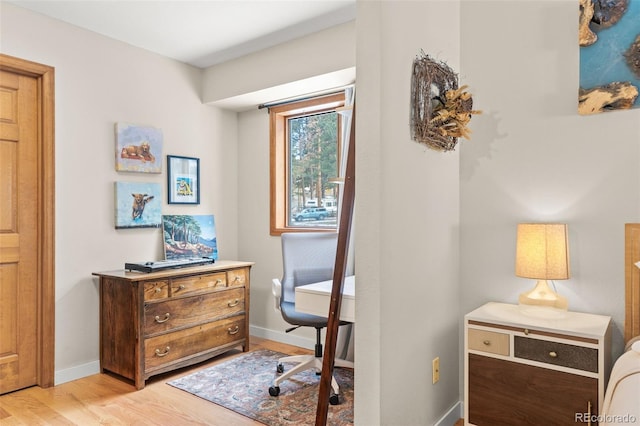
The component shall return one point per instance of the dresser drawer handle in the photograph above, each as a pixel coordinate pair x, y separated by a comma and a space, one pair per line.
553, 354
237, 278
486, 342
161, 354
218, 281
158, 289
526, 331
180, 287
233, 330
234, 303
161, 320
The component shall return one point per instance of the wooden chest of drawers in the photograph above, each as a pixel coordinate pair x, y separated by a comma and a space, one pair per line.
525, 368
151, 323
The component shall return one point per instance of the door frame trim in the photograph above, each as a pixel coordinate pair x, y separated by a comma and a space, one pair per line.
44, 75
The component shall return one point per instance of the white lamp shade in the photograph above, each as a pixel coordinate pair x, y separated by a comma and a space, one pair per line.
542, 251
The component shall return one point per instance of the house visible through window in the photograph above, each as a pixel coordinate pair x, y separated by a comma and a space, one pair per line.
305, 157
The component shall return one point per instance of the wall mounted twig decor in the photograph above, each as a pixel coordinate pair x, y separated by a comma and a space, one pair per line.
440, 111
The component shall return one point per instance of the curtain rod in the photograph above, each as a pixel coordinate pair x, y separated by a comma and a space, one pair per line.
301, 98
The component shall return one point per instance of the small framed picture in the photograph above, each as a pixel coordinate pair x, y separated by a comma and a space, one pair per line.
183, 180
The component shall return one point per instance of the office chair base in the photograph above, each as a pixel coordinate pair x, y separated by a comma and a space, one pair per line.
274, 390
305, 362
334, 399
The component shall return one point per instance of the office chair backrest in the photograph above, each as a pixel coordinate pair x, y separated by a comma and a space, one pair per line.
307, 257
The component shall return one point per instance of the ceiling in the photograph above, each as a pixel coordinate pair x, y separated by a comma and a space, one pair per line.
201, 33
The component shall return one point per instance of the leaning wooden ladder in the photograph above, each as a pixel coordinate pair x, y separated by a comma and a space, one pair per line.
333, 322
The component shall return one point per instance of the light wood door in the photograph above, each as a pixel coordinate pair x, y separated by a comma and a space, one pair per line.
25, 359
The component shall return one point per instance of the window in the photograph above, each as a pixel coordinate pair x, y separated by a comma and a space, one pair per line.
305, 157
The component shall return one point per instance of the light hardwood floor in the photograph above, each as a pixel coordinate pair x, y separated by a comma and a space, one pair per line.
103, 399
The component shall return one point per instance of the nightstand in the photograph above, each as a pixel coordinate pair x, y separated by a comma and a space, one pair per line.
525, 366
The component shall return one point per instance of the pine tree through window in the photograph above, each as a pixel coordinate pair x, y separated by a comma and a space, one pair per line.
305, 154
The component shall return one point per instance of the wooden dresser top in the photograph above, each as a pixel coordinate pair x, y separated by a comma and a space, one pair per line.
219, 265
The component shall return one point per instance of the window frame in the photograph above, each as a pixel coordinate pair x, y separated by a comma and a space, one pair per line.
279, 155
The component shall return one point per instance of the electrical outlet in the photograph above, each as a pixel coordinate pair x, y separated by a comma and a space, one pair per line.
435, 369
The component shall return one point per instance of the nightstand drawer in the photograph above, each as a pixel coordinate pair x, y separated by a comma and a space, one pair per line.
578, 357
507, 393
488, 341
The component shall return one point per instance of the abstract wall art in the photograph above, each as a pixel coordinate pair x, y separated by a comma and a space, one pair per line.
609, 37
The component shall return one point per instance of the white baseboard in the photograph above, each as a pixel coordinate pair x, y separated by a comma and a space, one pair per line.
282, 337
452, 416
78, 372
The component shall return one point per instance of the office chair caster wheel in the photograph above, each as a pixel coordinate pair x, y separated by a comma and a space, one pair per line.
280, 369
274, 390
334, 399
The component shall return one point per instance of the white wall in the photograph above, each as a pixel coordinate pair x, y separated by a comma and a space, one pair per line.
406, 246
276, 80
253, 235
407, 222
98, 82
318, 61
533, 158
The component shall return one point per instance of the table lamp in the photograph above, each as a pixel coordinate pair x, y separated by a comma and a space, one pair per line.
542, 253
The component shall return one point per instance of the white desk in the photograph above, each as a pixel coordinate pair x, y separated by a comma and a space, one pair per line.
315, 298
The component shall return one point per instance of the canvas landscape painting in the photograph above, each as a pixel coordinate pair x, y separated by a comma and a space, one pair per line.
138, 205
138, 148
189, 236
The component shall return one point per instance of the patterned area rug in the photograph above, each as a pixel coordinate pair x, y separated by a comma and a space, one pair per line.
242, 385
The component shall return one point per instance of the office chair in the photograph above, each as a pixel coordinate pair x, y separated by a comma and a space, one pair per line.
307, 257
